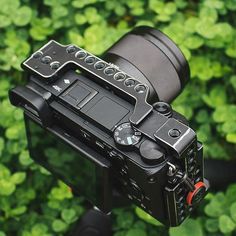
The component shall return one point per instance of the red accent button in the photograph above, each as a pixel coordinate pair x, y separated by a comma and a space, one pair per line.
191, 195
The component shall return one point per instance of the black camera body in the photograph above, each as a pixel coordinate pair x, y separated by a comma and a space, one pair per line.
111, 127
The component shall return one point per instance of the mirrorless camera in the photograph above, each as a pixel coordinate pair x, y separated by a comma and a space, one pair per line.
106, 124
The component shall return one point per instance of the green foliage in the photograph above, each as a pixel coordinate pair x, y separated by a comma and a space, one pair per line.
32, 202
190, 227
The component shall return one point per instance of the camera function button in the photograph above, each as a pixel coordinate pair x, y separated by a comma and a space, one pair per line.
151, 153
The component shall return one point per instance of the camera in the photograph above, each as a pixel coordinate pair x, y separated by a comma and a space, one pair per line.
106, 124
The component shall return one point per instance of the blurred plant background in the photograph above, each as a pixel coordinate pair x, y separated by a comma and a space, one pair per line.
32, 202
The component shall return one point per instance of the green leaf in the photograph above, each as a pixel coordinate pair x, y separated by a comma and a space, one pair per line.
25, 159
226, 224
193, 42
233, 211
233, 81
69, 215
22, 16
208, 14
146, 217
216, 98
225, 113
18, 177
135, 232
4, 172
39, 229
212, 225
18, 211
231, 4
59, 226
169, 9
80, 19
231, 137
189, 227
191, 24
231, 50
125, 220
205, 28
217, 206
2, 144
6, 187
4, 21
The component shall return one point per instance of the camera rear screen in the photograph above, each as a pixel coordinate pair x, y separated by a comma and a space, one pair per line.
68, 164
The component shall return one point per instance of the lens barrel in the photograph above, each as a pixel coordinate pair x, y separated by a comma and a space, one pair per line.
150, 56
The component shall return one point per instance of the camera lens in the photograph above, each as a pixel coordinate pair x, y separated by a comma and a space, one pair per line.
130, 82
46, 60
99, 65
140, 88
37, 55
55, 65
71, 49
81, 54
119, 76
90, 60
154, 60
109, 71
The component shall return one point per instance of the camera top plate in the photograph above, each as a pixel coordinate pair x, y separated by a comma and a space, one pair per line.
53, 59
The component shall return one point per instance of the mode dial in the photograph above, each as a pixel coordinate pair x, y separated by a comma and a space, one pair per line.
126, 136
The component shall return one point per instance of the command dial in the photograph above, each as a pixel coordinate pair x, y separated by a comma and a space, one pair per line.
126, 136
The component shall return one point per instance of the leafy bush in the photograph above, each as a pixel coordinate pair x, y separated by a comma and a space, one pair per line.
32, 202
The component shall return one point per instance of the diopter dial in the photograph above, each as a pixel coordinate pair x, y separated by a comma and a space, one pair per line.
126, 136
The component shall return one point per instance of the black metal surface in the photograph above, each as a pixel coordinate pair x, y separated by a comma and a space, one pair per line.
69, 61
